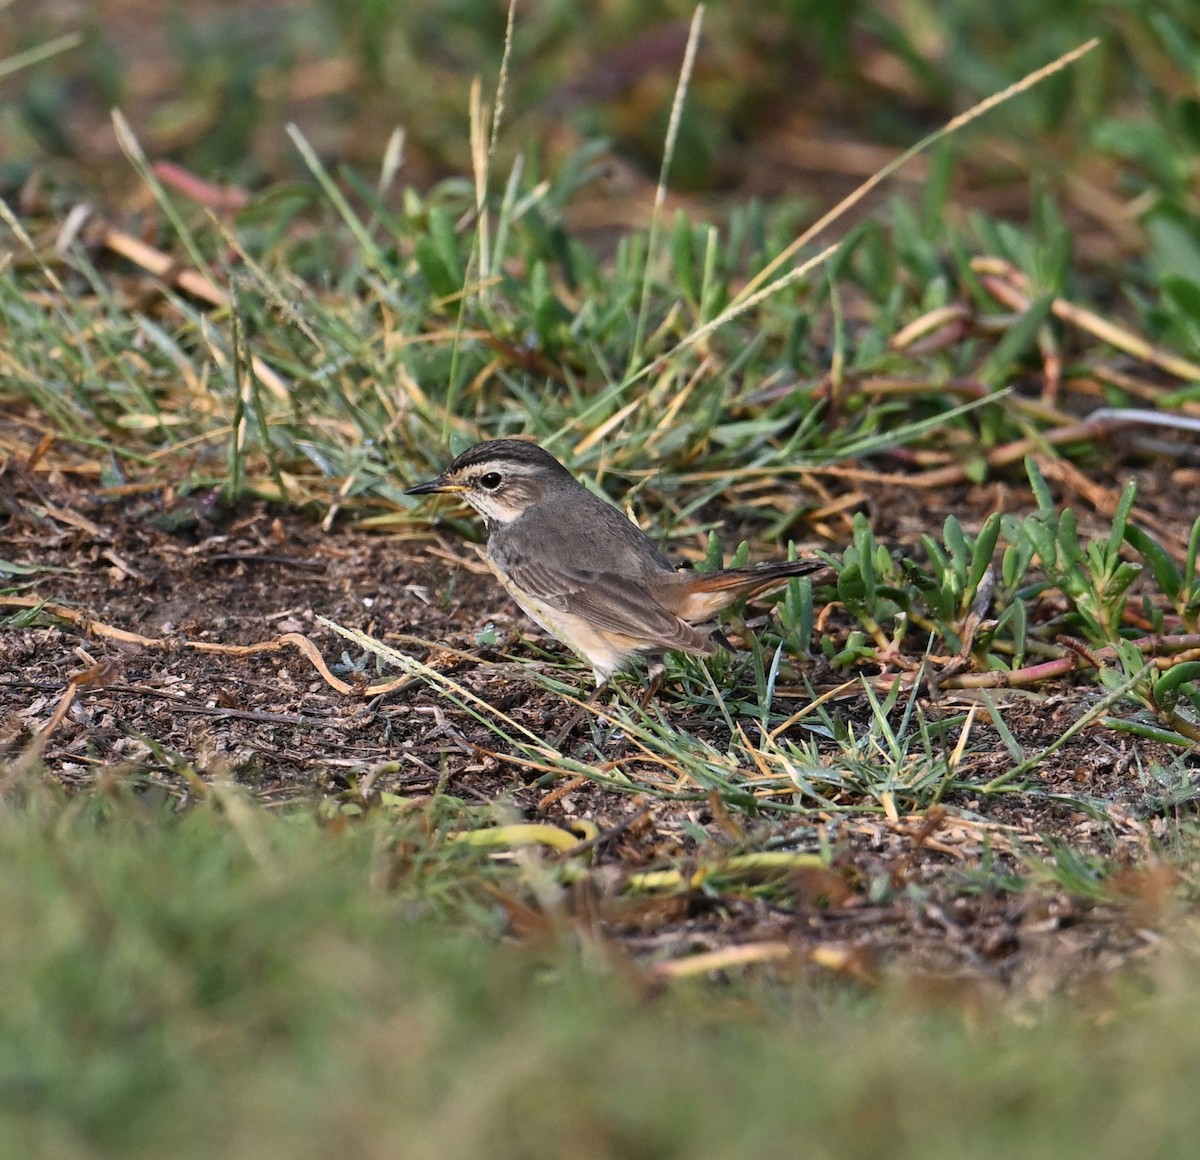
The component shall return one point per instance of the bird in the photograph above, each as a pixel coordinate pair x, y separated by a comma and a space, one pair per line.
584, 571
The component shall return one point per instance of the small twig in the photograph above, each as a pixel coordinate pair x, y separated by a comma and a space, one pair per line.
606, 835
296, 640
559, 792
265, 558
98, 675
1010, 286
1164, 652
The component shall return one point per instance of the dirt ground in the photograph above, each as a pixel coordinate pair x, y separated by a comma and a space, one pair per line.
925, 891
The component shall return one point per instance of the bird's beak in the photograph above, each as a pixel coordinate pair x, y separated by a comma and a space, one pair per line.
434, 487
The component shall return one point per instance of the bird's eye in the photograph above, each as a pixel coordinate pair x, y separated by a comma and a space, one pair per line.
491, 481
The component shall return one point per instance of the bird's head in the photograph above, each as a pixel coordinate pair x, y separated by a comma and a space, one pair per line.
501, 478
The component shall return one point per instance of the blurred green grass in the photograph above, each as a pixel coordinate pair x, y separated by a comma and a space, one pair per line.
222, 981
212, 84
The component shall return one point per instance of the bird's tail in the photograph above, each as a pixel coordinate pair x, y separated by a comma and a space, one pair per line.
706, 593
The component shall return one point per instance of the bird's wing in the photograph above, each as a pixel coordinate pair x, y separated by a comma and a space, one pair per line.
609, 601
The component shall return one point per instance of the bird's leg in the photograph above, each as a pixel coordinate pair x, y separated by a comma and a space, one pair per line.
654, 676
654, 682
578, 715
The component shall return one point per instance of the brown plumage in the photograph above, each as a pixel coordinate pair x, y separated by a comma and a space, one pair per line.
585, 572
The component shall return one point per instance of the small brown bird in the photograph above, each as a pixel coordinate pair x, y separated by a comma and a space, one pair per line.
582, 570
